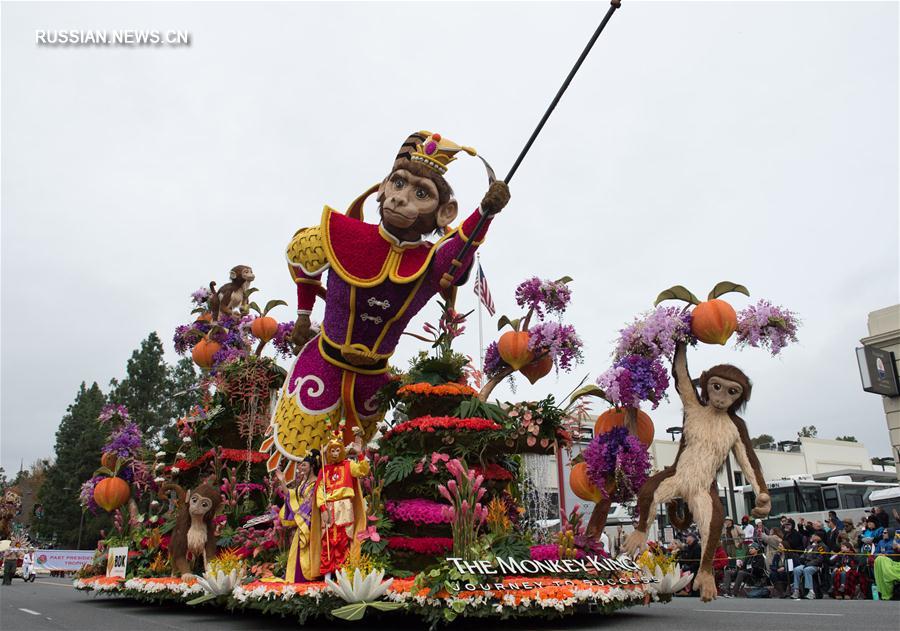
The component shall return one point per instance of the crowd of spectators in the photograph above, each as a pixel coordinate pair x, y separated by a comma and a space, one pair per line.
835, 558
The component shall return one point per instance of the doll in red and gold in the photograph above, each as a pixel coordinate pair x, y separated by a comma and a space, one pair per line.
339, 505
379, 276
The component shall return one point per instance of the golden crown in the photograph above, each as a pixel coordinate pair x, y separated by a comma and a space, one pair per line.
431, 150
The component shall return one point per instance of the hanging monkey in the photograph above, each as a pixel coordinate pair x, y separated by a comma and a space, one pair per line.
712, 428
194, 530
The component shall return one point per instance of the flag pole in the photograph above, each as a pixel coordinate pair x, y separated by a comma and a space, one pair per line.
480, 309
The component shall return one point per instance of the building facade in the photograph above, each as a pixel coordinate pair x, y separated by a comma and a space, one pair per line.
884, 333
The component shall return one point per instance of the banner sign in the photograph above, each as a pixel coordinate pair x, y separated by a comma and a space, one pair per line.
116, 561
63, 560
877, 368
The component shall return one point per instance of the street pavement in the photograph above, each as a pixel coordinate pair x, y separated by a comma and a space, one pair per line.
52, 604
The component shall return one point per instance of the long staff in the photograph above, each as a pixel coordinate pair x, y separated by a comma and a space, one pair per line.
447, 278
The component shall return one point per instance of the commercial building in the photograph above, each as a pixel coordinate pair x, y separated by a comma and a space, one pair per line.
878, 364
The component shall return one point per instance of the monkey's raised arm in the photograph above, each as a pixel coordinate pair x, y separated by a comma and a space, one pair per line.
749, 463
682, 377
180, 493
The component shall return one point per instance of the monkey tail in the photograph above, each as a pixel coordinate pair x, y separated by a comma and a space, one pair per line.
681, 520
213, 301
171, 486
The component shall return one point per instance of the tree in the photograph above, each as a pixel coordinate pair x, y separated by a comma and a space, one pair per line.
150, 384
762, 439
808, 431
79, 441
848, 439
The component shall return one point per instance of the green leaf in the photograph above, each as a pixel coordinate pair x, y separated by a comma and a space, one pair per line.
503, 321
564, 279
589, 390
384, 605
255, 307
726, 286
398, 469
104, 471
201, 599
678, 292
272, 304
353, 611
458, 606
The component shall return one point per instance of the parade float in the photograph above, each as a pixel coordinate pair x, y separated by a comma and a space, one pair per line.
347, 488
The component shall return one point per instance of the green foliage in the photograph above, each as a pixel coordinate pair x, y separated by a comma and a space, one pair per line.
476, 408
808, 431
435, 370
398, 468
79, 440
762, 439
847, 439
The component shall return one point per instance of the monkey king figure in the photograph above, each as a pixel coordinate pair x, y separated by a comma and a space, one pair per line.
712, 428
379, 277
340, 511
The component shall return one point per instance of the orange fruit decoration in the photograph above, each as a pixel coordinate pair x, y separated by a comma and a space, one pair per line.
109, 460
616, 417
264, 328
513, 349
582, 486
203, 352
537, 369
111, 493
713, 321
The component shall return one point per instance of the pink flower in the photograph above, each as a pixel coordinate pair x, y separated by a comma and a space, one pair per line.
451, 486
370, 533
444, 493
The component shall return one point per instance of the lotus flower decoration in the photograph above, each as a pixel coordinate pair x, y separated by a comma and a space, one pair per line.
361, 592
670, 582
217, 583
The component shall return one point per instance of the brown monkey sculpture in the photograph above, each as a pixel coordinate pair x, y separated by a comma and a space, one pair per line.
712, 428
194, 530
232, 298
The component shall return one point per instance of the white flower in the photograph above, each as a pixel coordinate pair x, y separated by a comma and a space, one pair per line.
362, 589
671, 582
180, 454
159, 465
175, 470
187, 440
163, 441
159, 479
219, 583
160, 454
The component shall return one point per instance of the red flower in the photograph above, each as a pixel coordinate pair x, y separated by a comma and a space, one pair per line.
431, 424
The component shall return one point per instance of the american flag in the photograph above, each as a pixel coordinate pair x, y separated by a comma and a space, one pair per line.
483, 292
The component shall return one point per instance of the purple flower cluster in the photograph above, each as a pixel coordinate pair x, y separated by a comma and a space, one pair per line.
560, 341
86, 496
112, 411
493, 363
200, 296
232, 333
538, 294
281, 341
655, 333
633, 379
126, 441
765, 325
617, 455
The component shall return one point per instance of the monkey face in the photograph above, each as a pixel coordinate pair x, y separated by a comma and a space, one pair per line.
242, 273
723, 392
199, 505
411, 205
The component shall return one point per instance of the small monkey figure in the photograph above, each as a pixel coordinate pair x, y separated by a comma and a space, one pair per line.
712, 428
232, 299
194, 530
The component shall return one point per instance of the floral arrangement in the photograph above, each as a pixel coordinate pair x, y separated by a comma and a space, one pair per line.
559, 341
417, 511
765, 325
442, 390
431, 424
126, 441
464, 491
633, 379
537, 294
493, 471
166, 584
429, 546
231, 455
113, 411
617, 463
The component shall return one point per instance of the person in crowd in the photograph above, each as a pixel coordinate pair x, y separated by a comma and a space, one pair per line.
732, 540
751, 571
896, 516
604, 540
833, 517
872, 532
881, 517
851, 531
793, 541
772, 542
846, 577
620, 537
809, 564
747, 530
832, 532
720, 562
884, 545
690, 555
779, 574
28, 573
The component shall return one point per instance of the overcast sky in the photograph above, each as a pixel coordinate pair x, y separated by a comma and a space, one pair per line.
754, 142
